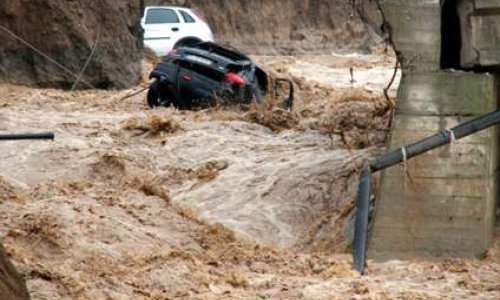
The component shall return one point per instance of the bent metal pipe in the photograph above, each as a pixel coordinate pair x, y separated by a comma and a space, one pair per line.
398, 156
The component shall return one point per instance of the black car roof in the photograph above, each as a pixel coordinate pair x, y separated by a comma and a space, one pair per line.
222, 57
216, 49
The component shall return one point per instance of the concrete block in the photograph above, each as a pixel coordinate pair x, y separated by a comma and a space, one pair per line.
480, 30
486, 4
447, 94
416, 32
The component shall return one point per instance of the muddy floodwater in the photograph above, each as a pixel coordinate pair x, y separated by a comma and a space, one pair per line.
226, 203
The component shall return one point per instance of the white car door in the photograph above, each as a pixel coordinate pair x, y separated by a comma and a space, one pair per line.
162, 27
191, 27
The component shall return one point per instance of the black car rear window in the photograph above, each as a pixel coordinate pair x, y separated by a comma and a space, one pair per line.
161, 16
187, 18
202, 70
233, 55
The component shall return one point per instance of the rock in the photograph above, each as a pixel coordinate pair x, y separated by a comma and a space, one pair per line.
66, 31
12, 285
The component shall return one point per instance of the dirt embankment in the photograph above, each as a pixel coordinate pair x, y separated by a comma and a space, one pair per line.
12, 286
67, 32
288, 26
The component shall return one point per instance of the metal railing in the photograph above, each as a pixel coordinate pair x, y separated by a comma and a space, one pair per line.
398, 156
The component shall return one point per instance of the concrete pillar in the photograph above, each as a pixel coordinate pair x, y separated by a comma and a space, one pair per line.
441, 203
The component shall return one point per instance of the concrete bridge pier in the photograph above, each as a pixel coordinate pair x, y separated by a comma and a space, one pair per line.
442, 203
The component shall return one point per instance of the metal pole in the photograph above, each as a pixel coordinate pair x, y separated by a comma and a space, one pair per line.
445, 137
27, 136
361, 224
398, 156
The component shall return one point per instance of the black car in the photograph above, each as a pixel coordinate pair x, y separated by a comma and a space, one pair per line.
206, 74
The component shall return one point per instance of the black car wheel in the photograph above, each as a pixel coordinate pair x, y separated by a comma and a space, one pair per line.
155, 97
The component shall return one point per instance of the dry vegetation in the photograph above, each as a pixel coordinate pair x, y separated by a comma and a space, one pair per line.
359, 116
153, 126
10, 192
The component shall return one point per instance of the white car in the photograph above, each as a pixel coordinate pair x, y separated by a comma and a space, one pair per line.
168, 27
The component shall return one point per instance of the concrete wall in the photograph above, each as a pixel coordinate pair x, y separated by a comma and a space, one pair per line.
416, 28
441, 203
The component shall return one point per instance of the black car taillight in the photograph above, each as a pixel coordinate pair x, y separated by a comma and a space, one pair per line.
235, 79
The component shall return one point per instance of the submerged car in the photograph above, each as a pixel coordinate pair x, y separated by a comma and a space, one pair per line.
207, 74
168, 27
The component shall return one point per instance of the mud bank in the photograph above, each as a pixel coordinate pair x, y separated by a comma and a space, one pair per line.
289, 27
67, 32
